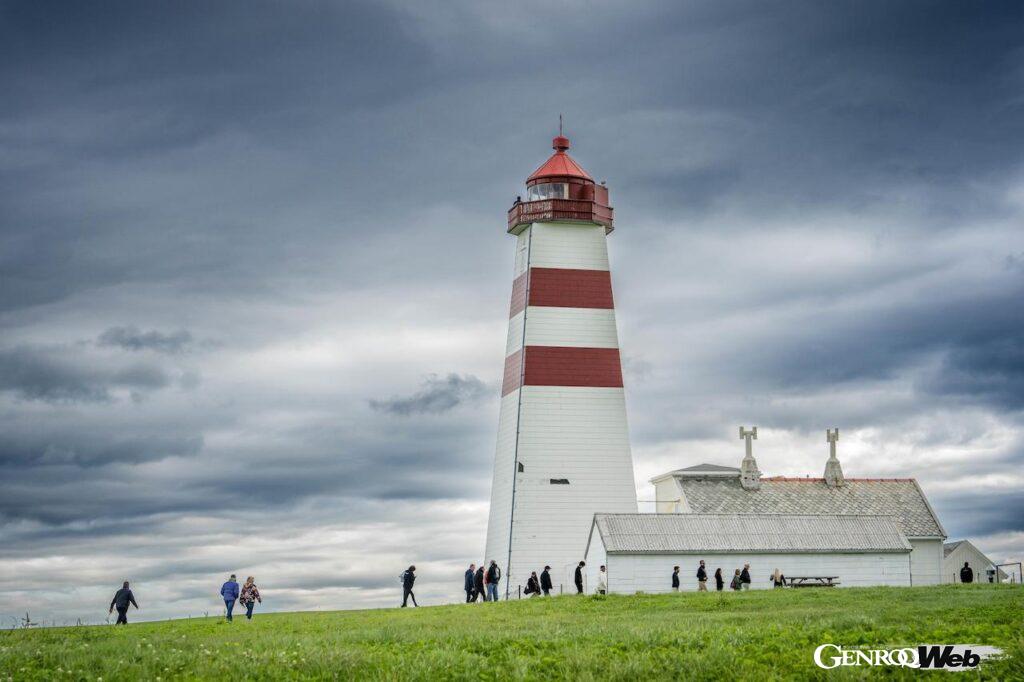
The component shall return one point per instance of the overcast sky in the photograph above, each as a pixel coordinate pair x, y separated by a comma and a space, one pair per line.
254, 275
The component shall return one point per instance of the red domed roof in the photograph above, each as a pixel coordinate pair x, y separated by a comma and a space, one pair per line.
560, 164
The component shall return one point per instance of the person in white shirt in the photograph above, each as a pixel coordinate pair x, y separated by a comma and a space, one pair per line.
602, 582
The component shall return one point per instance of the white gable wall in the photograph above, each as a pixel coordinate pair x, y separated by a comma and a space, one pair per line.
965, 551
926, 561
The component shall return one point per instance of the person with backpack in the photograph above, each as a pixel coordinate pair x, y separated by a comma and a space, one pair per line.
229, 592
469, 583
250, 595
545, 581
736, 583
578, 578
122, 598
675, 578
719, 581
967, 573
702, 578
408, 579
493, 578
479, 584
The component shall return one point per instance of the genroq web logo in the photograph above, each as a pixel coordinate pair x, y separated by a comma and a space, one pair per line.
923, 656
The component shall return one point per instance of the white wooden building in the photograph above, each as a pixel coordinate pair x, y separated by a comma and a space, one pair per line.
715, 489
956, 553
640, 550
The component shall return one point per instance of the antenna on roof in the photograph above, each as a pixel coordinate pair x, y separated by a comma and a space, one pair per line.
559, 125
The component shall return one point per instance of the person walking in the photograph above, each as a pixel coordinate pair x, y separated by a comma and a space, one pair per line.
967, 573
532, 585
493, 578
778, 580
469, 584
122, 598
408, 580
545, 581
229, 592
602, 581
478, 584
745, 576
578, 578
675, 578
249, 596
719, 581
736, 583
702, 578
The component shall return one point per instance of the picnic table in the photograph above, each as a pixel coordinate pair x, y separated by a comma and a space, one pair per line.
812, 580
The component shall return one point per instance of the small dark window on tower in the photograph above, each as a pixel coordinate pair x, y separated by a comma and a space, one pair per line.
521, 468
559, 481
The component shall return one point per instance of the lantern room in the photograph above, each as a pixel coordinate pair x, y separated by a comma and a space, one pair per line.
561, 191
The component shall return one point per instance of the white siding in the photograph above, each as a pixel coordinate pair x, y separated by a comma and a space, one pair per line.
579, 434
515, 334
501, 486
965, 551
652, 573
576, 327
668, 497
568, 245
926, 561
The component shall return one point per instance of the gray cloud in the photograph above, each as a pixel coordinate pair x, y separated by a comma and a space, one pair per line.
438, 395
131, 338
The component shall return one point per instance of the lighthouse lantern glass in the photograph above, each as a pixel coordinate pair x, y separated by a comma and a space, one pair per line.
549, 190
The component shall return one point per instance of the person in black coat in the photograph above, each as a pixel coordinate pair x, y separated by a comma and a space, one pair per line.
579, 577
122, 598
478, 584
545, 581
702, 578
719, 580
675, 578
532, 585
469, 584
967, 573
408, 579
745, 577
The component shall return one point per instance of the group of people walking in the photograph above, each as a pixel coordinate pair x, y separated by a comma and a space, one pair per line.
248, 595
482, 583
740, 579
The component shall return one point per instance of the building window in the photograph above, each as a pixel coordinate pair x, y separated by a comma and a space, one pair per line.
559, 481
521, 468
548, 190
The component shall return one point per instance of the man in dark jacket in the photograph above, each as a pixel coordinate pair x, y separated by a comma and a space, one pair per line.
478, 584
702, 578
545, 581
122, 598
493, 578
745, 577
229, 591
578, 578
469, 584
967, 573
675, 578
408, 578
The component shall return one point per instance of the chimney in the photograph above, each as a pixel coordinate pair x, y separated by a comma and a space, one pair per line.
833, 470
750, 477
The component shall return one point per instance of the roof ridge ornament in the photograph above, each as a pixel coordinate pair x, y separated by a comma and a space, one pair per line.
750, 476
833, 469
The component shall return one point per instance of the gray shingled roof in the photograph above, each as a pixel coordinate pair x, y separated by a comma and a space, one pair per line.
900, 498
700, 533
948, 548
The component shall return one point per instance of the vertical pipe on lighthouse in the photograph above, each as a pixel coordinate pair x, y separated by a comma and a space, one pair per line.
563, 444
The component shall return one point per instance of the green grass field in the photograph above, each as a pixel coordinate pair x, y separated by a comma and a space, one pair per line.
754, 635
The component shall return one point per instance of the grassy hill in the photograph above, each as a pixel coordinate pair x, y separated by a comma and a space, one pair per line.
753, 635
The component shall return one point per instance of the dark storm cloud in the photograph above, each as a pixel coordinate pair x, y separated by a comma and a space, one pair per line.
49, 374
321, 187
437, 395
131, 338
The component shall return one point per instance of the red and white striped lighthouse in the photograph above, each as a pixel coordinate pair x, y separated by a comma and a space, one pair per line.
563, 444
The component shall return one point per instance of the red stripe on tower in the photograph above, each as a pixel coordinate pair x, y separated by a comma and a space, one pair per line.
564, 288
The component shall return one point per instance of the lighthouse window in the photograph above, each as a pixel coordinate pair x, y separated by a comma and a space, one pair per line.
549, 190
559, 481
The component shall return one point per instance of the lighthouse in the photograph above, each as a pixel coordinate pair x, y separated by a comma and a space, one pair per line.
563, 444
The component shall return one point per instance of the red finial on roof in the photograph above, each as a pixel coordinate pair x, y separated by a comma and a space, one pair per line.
560, 143
560, 164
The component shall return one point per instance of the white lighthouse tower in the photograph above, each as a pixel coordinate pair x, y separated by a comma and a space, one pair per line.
563, 444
